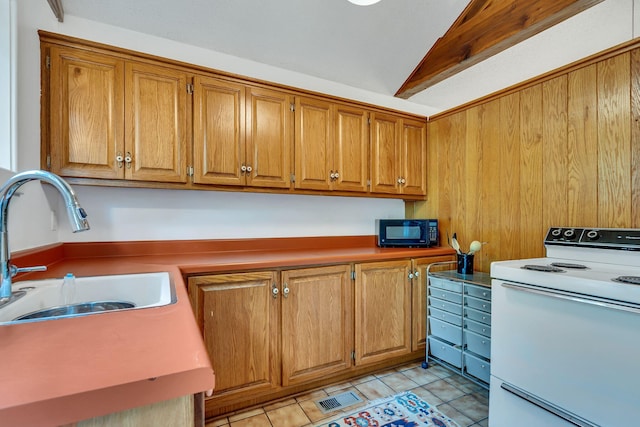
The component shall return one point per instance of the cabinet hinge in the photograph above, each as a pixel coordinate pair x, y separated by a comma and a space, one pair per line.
293, 177
47, 62
292, 107
49, 161
190, 88
189, 170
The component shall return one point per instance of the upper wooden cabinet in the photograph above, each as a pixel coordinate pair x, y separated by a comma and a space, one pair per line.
398, 155
122, 118
86, 110
242, 135
113, 119
269, 138
331, 146
156, 123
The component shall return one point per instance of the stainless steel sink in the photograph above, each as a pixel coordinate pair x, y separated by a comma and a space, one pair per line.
75, 309
41, 300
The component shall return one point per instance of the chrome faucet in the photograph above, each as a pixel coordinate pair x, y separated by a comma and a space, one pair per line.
77, 217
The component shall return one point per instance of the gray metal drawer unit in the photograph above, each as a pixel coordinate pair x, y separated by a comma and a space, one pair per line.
459, 316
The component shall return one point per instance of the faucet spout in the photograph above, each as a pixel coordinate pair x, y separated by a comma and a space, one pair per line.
77, 218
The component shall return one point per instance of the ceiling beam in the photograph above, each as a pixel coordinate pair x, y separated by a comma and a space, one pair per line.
485, 28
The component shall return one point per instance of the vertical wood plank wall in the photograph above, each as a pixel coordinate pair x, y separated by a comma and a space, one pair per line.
563, 150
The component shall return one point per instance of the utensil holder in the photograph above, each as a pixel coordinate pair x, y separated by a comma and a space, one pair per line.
465, 263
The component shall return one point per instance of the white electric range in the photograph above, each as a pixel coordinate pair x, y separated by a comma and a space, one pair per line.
565, 341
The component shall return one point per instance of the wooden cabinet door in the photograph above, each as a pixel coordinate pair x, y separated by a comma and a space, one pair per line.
351, 149
156, 123
382, 311
238, 316
218, 132
413, 154
269, 138
314, 144
86, 113
385, 153
419, 294
317, 323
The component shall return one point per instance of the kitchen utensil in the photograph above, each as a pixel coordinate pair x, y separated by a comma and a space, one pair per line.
474, 247
454, 243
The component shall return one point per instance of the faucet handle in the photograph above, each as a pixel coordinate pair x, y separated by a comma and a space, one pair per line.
15, 270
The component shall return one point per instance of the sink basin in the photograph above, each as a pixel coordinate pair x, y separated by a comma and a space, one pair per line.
40, 300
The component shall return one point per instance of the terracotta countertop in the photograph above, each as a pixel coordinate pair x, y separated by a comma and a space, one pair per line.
61, 371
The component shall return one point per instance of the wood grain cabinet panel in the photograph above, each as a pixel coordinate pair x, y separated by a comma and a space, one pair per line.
269, 138
239, 319
317, 323
331, 146
86, 113
157, 131
382, 310
218, 132
398, 155
116, 119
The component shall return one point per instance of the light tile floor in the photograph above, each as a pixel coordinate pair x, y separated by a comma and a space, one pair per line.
457, 397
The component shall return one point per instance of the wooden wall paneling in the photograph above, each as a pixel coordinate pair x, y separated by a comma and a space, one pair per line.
444, 180
635, 138
614, 110
470, 180
509, 169
582, 147
554, 174
429, 209
458, 151
491, 195
531, 194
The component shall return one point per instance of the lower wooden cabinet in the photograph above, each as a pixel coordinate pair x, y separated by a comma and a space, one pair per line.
382, 310
239, 319
281, 331
317, 323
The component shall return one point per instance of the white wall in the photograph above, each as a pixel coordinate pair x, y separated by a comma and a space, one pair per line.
141, 214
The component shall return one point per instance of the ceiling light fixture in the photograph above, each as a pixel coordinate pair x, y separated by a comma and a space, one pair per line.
364, 2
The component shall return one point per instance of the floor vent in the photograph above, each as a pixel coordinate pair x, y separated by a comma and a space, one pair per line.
331, 403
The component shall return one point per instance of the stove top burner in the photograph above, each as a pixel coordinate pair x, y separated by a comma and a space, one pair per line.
544, 268
634, 280
569, 265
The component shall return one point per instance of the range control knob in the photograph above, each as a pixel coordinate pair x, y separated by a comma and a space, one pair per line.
593, 235
569, 234
556, 232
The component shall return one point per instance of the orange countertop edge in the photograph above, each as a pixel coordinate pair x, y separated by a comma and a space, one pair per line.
62, 371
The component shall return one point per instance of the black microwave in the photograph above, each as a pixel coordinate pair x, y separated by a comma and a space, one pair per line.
407, 233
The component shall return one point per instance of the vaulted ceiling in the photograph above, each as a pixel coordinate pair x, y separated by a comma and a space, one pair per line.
394, 47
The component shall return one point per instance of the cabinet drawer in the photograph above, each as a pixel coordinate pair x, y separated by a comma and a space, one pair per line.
478, 304
477, 367
477, 327
478, 292
478, 344
446, 331
445, 305
455, 319
478, 316
447, 285
446, 295
445, 351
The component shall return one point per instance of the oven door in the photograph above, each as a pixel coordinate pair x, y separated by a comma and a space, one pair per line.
577, 354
